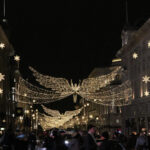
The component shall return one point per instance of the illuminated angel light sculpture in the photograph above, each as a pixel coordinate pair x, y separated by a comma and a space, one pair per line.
56, 119
90, 89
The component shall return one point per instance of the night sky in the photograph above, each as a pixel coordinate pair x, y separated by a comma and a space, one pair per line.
69, 38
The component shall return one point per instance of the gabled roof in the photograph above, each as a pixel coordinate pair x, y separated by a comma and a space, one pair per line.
101, 71
136, 38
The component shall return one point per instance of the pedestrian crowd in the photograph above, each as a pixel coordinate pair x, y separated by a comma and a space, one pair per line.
56, 139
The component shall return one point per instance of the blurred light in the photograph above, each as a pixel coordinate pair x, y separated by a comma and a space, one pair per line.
88, 104
1, 91
2, 129
91, 116
34, 101
4, 121
21, 117
97, 118
2, 45
17, 58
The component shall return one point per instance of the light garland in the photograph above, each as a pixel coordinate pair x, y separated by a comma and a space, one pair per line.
28, 92
89, 84
120, 94
55, 113
91, 89
56, 119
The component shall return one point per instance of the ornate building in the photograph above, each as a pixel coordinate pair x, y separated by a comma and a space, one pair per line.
6, 75
135, 56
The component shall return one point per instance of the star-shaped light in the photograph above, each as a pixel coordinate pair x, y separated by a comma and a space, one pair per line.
2, 45
146, 79
1, 91
135, 55
146, 93
17, 58
1, 77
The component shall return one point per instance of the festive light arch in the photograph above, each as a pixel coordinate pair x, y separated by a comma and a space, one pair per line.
97, 89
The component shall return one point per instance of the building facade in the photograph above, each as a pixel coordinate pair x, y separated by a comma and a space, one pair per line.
6, 74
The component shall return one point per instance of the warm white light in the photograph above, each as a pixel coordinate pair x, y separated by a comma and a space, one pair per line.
17, 58
83, 117
146, 79
2, 45
25, 94
1, 77
116, 60
97, 118
21, 117
146, 93
34, 101
27, 111
135, 55
91, 116
1, 91
4, 121
148, 44
88, 104
33, 115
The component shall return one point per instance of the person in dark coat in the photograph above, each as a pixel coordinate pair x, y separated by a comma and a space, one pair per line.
89, 139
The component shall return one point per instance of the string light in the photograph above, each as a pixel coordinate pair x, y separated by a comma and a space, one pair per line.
92, 89
61, 84
56, 113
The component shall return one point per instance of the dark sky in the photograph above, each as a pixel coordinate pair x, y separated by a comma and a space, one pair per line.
69, 38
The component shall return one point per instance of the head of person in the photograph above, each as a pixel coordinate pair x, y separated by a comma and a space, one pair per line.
91, 128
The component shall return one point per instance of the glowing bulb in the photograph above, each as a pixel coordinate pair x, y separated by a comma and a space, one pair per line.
2, 45
17, 58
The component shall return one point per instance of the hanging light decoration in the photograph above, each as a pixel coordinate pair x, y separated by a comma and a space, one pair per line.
97, 90
89, 84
